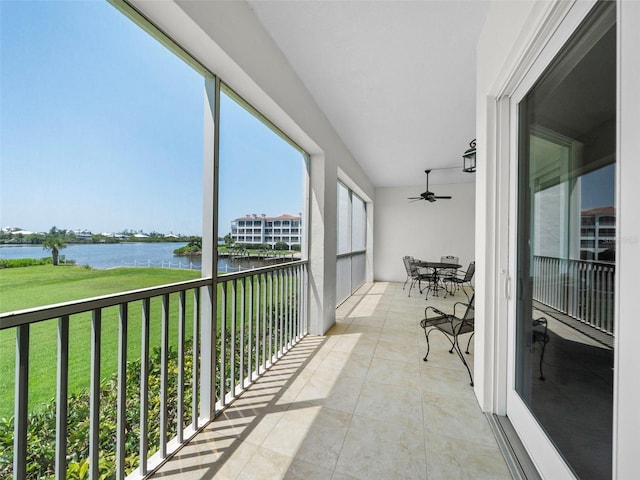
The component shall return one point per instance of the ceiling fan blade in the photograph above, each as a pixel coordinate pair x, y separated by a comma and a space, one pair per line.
427, 195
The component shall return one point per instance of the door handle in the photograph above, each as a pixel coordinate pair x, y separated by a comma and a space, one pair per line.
507, 285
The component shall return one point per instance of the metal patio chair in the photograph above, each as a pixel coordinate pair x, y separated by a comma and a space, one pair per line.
415, 273
541, 337
407, 260
449, 271
458, 281
452, 326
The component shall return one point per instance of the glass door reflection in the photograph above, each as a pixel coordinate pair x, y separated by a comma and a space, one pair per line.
566, 247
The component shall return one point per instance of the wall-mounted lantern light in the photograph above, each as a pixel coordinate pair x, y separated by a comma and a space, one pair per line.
469, 158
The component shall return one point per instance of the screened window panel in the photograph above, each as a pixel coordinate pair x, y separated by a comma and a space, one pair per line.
343, 279
358, 224
344, 230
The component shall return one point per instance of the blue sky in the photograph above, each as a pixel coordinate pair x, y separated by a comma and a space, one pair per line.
101, 128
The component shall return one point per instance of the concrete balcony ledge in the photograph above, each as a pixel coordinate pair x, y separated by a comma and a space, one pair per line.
358, 403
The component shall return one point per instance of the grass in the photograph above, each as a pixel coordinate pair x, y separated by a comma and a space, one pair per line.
43, 285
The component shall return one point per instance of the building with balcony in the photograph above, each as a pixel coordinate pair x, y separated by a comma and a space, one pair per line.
291, 379
263, 230
598, 234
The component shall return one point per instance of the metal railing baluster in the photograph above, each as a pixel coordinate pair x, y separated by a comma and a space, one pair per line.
243, 285
232, 354
164, 376
182, 307
195, 392
144, 385
263, 282
94, 394
271, 318
280, 306
223, 346
251, 345
122, 391
21, 404
62, 390
287, 296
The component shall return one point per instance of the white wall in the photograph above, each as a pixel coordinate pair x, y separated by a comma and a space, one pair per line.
422, 229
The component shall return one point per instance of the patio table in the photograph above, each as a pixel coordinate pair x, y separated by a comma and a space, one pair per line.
436, 284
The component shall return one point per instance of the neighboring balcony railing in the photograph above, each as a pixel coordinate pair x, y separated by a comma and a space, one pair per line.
260, 315
581, 289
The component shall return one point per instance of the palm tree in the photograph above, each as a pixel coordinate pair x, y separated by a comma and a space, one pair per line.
54, 241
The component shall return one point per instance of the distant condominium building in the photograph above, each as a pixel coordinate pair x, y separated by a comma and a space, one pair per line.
260, 229
598, 234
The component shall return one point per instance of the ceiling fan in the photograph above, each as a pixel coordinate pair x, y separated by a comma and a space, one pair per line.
427, 195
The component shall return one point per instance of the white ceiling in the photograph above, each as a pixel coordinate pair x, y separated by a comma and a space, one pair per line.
395, 78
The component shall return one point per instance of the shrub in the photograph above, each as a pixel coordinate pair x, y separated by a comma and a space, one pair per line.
24, 262
42, 423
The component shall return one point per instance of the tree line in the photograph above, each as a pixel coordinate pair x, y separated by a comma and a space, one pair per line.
56, 239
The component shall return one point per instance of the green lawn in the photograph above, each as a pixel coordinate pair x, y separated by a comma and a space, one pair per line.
43, 285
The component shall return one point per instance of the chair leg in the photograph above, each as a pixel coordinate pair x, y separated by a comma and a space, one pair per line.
465, 291
454, 347
469, 342
426, 334
544, 344
464, 362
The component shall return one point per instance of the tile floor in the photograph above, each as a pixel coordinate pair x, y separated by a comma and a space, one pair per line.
358, 403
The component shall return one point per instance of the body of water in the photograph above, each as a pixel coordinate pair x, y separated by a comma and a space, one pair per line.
112, 255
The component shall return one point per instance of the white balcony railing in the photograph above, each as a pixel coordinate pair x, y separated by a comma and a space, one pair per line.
581, 289
260, 315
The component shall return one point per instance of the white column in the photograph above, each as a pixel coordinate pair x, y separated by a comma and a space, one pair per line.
322, 244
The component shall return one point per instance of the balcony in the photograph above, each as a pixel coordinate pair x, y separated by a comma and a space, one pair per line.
356, 403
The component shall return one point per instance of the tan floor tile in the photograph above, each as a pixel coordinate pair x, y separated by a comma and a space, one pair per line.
446, 380
376, 450
337, 392
356, 343
397, 405
464, 458
310, 433
394, 372
231, 468
397, 351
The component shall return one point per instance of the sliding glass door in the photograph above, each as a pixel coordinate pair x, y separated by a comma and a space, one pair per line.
565, 250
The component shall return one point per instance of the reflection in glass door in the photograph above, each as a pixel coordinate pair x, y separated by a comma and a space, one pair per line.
566, 247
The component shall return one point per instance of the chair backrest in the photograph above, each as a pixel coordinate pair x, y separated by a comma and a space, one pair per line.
408, 261
470, 271
466, 322
470, 313
449, 259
